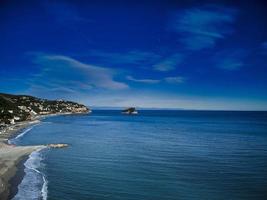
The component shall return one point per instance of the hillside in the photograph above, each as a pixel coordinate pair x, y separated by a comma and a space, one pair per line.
16, 108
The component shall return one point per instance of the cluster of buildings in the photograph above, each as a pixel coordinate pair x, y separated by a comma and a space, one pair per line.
15, 108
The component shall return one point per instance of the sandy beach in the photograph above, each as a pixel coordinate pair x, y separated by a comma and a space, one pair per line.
11, 156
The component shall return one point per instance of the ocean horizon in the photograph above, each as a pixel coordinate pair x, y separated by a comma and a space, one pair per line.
158, 154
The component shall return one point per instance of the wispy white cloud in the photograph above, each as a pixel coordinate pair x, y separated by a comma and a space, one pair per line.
141, 58
171, 80
169, 63
230, 64
230, 59
151, 81
175, 79
66, 72
201, 27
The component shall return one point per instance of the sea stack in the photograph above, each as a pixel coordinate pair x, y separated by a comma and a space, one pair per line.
130, 111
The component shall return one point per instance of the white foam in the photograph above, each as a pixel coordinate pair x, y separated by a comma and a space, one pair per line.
34, 183
13, 140
44, 188
23, 133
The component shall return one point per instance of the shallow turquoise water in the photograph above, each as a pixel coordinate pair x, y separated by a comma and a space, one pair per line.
156, 155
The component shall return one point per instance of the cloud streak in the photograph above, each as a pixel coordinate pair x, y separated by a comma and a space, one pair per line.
201, 27
67, 72
169, 63
171, 80
230, 60
150, 81
175, 79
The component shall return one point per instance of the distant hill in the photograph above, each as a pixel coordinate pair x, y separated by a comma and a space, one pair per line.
16, 108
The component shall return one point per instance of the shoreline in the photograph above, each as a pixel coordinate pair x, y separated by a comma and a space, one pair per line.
17, 178
12, 158
13, 130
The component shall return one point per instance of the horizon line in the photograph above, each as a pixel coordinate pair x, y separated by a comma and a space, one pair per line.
174, 109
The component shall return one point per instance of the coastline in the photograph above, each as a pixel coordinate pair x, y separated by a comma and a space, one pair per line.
12, 158
13, 130
17, 178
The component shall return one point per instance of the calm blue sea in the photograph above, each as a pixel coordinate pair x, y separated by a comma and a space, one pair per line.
156, 155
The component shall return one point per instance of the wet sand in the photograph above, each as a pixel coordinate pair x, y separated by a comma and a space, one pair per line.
17, 178
12, 156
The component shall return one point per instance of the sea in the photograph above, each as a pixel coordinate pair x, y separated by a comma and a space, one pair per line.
155, 155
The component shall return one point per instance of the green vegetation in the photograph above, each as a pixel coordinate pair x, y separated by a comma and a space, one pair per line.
16, 108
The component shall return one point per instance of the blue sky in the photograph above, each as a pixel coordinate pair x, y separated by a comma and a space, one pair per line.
162, 54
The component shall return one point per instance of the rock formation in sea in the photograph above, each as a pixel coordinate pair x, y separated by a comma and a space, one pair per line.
130, 111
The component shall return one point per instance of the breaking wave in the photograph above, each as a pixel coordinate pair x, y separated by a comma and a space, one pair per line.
34, 183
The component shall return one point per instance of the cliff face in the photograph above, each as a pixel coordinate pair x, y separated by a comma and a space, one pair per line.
16, 108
